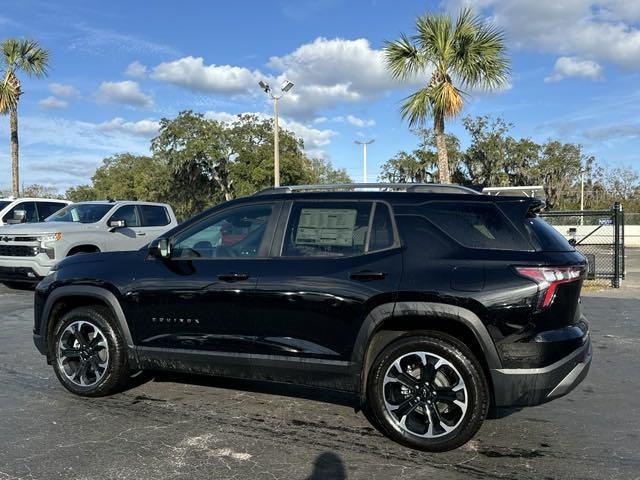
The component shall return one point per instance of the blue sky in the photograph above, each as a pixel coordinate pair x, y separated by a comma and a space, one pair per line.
118, 67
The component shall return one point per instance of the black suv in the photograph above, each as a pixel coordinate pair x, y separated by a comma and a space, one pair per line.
433, 304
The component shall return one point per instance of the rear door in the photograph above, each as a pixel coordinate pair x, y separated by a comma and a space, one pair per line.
332, 262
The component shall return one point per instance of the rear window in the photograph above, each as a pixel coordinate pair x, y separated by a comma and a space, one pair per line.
549, 238
476, 225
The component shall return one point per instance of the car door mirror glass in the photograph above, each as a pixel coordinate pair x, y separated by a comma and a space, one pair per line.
164, 248
114, 224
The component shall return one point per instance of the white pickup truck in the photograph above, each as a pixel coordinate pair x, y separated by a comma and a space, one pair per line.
29, 250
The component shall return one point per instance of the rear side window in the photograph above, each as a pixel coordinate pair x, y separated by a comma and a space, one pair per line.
46, 209
339, 229
476, 225
154, 216
549, 238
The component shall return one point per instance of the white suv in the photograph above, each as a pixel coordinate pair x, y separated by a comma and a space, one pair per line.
28, 210
28, 251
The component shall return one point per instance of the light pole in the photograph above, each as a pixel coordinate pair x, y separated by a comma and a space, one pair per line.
364, 157
284, 88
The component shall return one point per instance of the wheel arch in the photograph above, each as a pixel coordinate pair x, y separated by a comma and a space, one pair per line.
389, 322
65, 299
83, 248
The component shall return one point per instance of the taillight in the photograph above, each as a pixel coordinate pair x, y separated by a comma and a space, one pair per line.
548, 279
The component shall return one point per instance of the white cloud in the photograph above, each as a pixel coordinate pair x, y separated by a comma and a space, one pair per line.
314, 139
575, 67
331, 71
613, 131
355, 121
145, 128
325, 72
52, 102
62, 90
136, 70
601, 30
192, 73
126, 93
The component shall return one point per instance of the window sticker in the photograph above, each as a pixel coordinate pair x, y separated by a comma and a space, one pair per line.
326, 226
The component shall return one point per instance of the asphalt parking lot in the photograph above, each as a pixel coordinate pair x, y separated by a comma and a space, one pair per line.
214, 429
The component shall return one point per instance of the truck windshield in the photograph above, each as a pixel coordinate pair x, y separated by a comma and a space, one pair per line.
80, 213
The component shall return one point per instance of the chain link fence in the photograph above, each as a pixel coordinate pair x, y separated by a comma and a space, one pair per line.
599, 236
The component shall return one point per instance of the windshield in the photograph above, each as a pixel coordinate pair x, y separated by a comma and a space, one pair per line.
80, 213
3, 203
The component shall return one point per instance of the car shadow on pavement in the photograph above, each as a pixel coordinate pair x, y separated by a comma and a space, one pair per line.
256, 386
328, 466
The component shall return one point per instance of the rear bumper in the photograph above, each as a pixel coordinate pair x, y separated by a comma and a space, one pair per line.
521, 387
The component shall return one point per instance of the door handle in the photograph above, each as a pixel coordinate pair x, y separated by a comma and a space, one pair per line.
233, 277
366, 276
140, 234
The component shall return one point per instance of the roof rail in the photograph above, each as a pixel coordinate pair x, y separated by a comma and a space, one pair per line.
382, 187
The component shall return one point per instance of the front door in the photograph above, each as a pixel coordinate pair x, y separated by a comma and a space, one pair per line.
198, 299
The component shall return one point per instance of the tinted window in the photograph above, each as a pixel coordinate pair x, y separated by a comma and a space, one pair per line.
128, 214
153, 216
381, 229
28, 207
3, 204
423, 238
335, 229
46, 209
549, 238
81, 213
235, 233
476, 225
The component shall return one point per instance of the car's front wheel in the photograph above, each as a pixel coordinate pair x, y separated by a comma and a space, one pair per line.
428, 392
89, 353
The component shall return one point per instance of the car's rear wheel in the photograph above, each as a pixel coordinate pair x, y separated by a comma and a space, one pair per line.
89, 355
428, 392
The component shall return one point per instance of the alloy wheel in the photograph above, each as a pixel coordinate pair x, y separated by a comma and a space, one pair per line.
425, 395
83, 353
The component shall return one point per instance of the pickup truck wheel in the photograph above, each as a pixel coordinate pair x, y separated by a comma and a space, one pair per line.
89, 353
428, 392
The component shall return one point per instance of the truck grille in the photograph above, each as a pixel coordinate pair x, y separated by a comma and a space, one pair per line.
16, 251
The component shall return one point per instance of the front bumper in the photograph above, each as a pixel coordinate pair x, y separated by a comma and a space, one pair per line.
25, 269
521, 387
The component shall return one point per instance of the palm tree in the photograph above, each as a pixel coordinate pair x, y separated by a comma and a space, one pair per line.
467, 51
18, 56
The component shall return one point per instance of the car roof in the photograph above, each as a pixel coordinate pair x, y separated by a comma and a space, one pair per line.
34, 199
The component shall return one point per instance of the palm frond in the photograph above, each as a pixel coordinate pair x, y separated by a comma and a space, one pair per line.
434, 37
417, 107
403, 59
25, 55
446, 99
9, 93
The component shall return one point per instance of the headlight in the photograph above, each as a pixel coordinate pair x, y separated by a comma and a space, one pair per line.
54, 237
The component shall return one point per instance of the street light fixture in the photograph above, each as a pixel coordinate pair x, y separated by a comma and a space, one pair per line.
284, 88
364, 157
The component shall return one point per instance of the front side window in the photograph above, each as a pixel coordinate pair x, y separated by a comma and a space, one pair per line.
4, 204
128, 214
15, 215
81, 213
336, 229
238, 232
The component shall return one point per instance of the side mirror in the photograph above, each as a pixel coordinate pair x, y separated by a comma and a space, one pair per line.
116, 224
19, 216
160, 248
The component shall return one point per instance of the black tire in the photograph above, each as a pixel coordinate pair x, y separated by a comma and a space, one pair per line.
114, 375
459, 363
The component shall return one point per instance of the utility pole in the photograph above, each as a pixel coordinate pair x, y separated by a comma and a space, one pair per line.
364, 157
284, 88
581, 198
